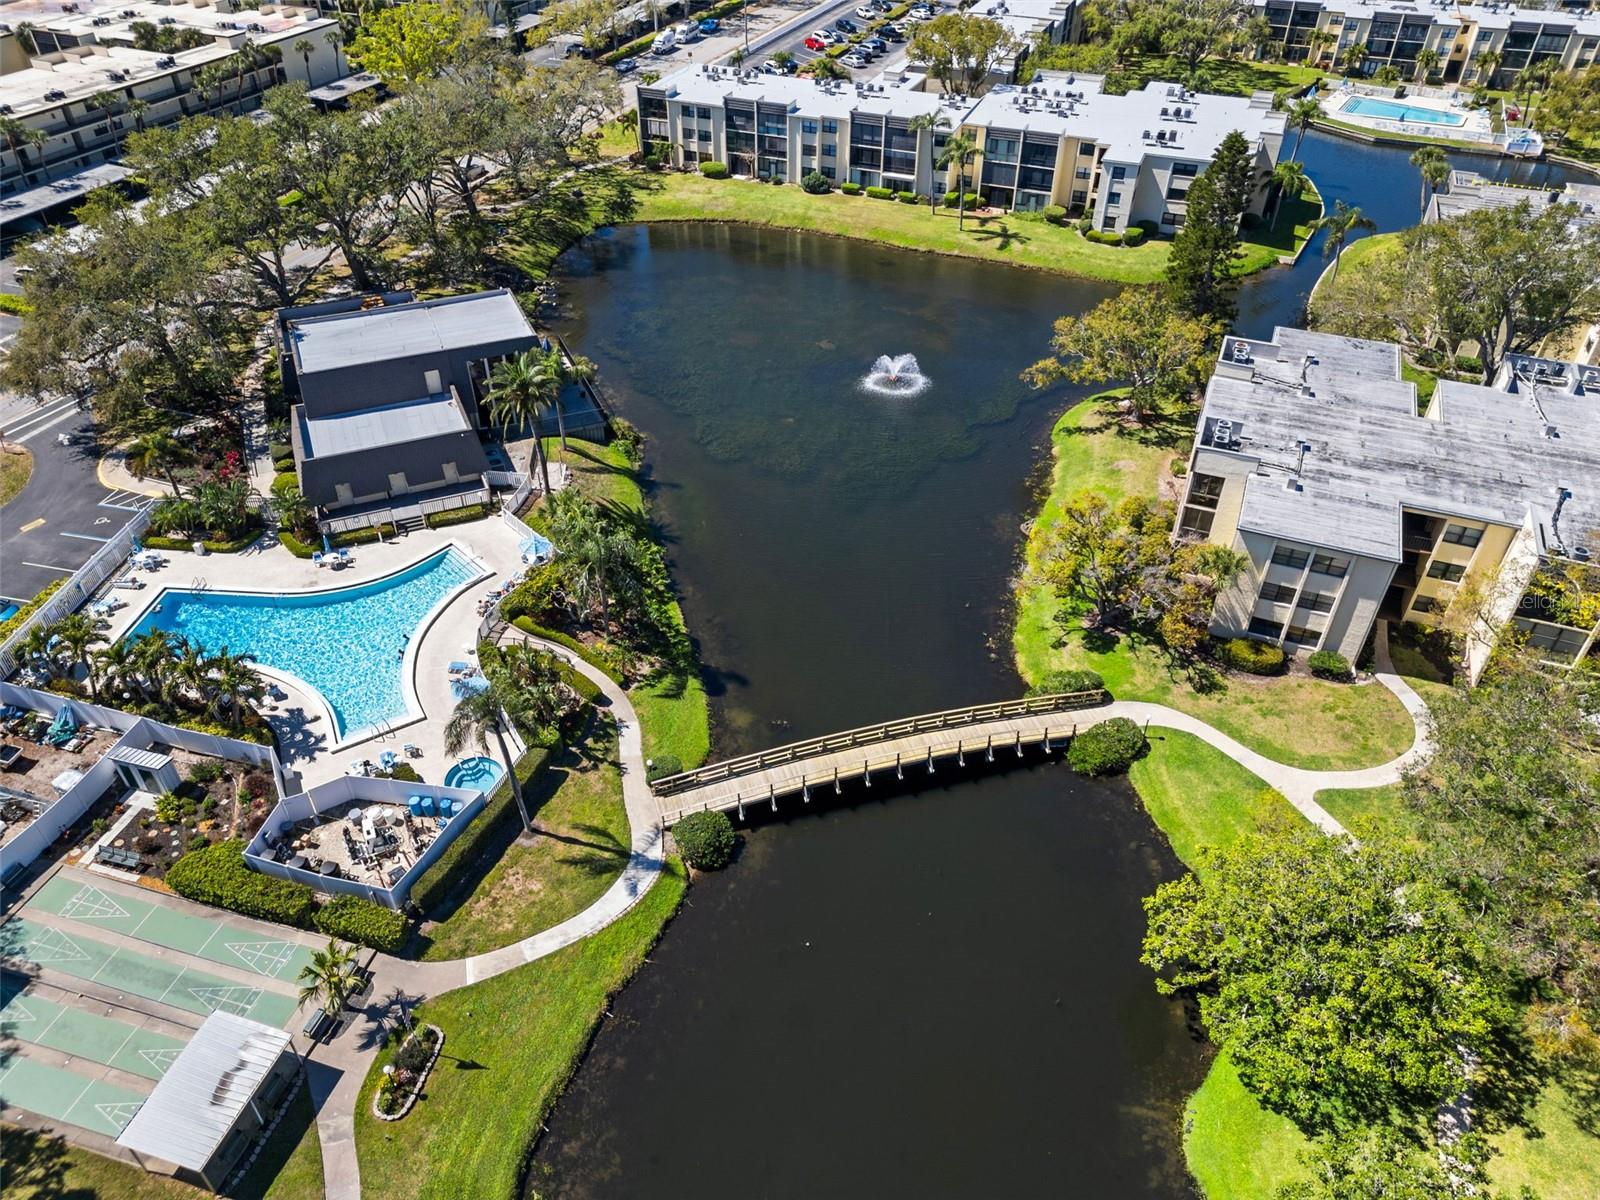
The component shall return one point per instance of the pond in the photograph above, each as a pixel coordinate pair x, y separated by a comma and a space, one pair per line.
934, 993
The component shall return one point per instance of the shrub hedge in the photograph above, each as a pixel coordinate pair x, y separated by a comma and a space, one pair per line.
1330, 664
587, 690
32, 606
231, 546
1247, 654
850, 189
1132, 236
714, 170
1104, 239
662, 766
475, 841
356, 537
354, 919
283, 481
1108, 748
706, 840
527, 625
1055, 214
880, 193
908, 198
954, 200
1071, 679
217, 875
816, 183
457, 516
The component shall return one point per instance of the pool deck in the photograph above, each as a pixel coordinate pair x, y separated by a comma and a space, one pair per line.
305, 733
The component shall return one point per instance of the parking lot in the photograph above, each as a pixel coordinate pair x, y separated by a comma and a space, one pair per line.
105, 983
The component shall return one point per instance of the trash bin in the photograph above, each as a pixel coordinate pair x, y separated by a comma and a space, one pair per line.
200, 548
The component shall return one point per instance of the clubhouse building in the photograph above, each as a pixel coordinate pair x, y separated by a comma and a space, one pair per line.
1060, 140
1312, 459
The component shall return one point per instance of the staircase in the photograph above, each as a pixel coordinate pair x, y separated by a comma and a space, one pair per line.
410, 524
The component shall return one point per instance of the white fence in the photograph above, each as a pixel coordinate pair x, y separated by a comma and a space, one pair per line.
106, 562
398, 512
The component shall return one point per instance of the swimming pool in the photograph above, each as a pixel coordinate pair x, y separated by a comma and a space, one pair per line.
481, 773
347, 643
1390, 110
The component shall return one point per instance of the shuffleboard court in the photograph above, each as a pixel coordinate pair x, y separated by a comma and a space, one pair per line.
29, 1017
84, 957
218, 941
63, 1095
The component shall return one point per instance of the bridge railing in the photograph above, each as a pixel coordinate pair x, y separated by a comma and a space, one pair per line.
977, 714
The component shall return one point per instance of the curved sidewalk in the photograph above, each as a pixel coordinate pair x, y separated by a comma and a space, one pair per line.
349, 1054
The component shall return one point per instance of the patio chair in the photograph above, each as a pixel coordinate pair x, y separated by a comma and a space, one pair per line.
344, 558
317, 558
413, 751
388, 759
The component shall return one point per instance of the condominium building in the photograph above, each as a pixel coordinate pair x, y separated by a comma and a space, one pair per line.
1394, 34
86, 73
1060, 140
1467, 191
1312, 459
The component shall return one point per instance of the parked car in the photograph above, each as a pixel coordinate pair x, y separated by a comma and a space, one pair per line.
866, 12
882, 6
876, 44
773, 67
854, 61
826, 36
625, 65
893, 32
922, 12
813, 42
709, 26
846, 25
665, 41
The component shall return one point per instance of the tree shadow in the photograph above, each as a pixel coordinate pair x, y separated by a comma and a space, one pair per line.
35, 1164
1002, 237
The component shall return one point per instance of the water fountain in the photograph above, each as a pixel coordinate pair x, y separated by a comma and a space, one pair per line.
896, 375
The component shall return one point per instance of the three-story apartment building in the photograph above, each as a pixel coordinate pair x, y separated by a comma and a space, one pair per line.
1312, 459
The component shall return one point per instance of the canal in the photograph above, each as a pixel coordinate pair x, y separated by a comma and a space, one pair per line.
937, 994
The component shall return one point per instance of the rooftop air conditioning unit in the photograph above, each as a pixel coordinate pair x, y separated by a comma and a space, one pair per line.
1147, 135
1222, 433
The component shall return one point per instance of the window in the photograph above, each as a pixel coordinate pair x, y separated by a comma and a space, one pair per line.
1119, 172
1300, 635
704, 113
1172, 218
1085, 149
1425, 604
1205, 490
808, 126
1262, 628
1081, 173
1553, 641
1079, 198
829, 150
1327, 564
1317, 601
828, 172
1113, 198
1277, 593
1182, 170
830, 127
1001, 148
1448, 571
1286, 556
1197, 521
1462, 535
808, 150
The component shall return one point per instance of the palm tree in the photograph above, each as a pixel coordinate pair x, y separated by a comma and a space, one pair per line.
303, 47
118, 665
192, 668
1354, 56
1319, 41
137, 109
329, 977
1344, 220
537, 677
78, 634
158, 452
515, 400
234, 683
1291, 181
293, 510
480, 715
1486, 65
39, 648
1435, 169
601, 558
18, 135
555, 372
1301, 114
930, 122
1427, 64
958, 152
154, 658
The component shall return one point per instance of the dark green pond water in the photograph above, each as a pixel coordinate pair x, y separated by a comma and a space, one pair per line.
930, 994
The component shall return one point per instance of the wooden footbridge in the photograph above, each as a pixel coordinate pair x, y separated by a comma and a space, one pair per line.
908, 747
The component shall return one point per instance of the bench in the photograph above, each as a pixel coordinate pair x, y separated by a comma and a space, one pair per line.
112, 856
315, 1023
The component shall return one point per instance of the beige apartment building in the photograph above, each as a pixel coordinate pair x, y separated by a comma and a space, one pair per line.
1312, 459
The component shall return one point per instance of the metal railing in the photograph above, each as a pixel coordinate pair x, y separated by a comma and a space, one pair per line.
867, 735
102, 565
399, 512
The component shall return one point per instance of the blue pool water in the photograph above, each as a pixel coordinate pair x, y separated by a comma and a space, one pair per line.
481, 773
9, 610
1391, 110
347, 642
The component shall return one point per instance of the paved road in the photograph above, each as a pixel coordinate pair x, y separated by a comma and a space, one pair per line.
766, 20
56, 523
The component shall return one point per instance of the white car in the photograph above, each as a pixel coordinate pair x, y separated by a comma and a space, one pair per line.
853, 60
825, 35
921, 13
867, 13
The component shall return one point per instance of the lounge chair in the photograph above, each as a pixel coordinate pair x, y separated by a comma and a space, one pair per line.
317, 558
388, 759
129, 582
344, 557
413, 751
459, 668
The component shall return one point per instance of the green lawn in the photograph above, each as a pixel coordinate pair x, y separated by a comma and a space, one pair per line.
1382, 807
511, 1044
581, 847
1226, 76
16, 468
1237, 1150
1295, 719
1201, 797
36, 1167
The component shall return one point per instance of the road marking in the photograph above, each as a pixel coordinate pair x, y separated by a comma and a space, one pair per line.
31, 525
29, 423
48, 566
88, 537
48, 425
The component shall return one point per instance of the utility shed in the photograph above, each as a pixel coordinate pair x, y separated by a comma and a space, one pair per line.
214, 1101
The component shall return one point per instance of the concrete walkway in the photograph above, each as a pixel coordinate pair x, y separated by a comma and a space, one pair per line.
339, 1069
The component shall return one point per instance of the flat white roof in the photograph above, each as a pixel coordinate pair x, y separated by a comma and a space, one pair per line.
835, 99
198, 1101
387, 425
349, 339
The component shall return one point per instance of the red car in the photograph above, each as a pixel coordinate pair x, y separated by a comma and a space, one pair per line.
815, 43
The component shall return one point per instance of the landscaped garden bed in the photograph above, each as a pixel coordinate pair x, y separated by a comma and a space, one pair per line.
413, 1062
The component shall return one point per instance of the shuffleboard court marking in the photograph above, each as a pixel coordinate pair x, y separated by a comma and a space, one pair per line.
236, 999
118, 1114
52, 946
264, 958
163, 1059
91, 904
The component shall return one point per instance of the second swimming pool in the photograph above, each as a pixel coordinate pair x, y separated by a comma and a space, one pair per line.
1391, 110
348, 643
